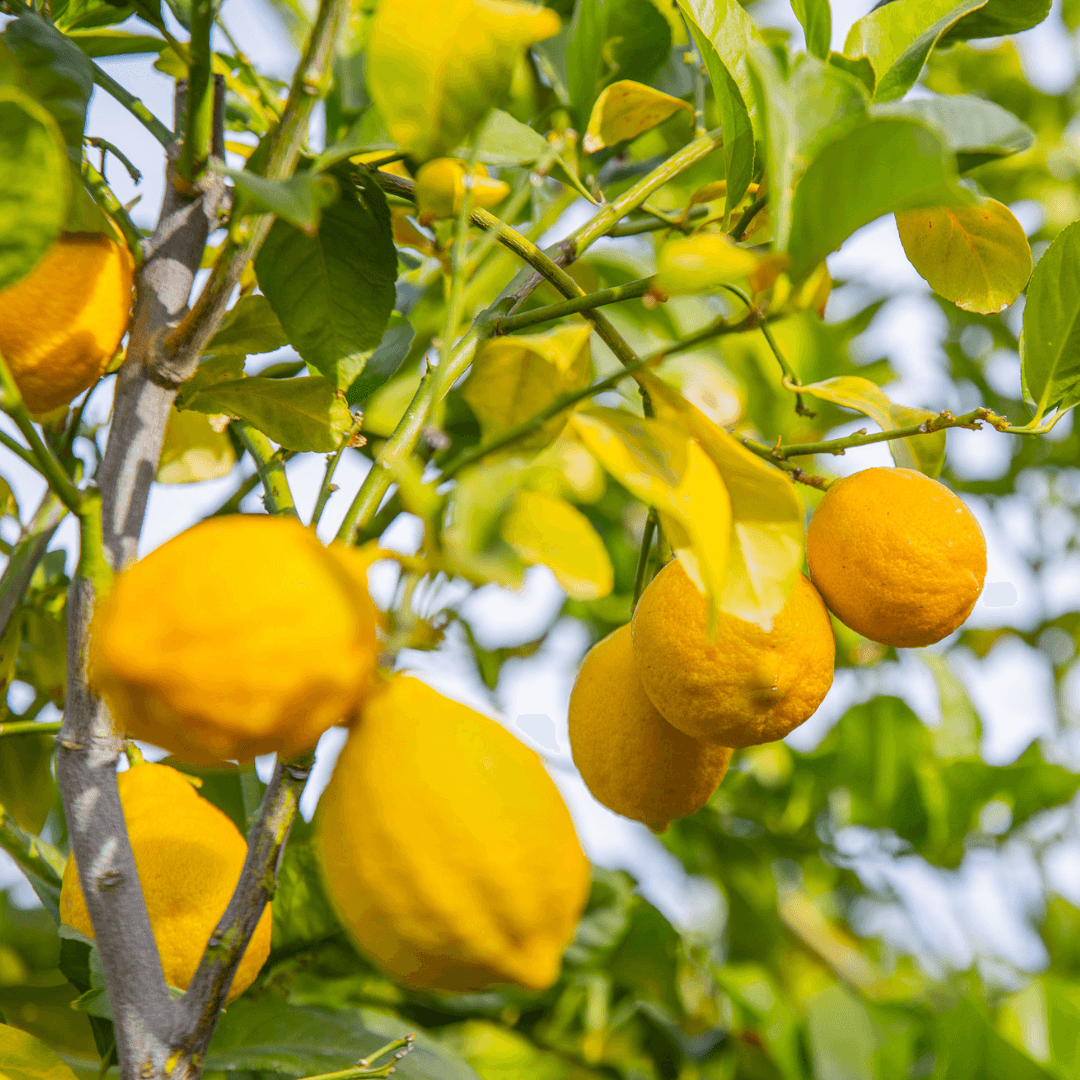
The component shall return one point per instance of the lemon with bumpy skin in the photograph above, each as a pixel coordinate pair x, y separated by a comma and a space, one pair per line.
440, 189
189, 856
742, 686
630, 757
446, 847
241, 636
62, 323
896, 556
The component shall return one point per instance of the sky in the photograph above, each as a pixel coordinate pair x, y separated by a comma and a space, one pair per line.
980, 910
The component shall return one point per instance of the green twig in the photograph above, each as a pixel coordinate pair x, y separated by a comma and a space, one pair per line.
366, 1069
133, 106
199, 112
327, 487
31, 852
747, 217
630, 291
19, 450
45, 461
270, 102
115, 209
641, 574
107, 147
654, 224
271, 470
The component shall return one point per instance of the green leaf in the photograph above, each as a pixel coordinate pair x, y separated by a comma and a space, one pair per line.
35, 183
22, 1057
1000, 17
432, 88
250, 327
298, 414
799, 112
976, 130
549, 531
109, 42
193, 450
966, 1047
385, 360
60, 76
897, 39
1050, 344
303, 916
69, 14
880, 166
514, 377
333, 291
816, 19
725, 36
27, 791
923, 452
272, 1036
299, 200
976, 256
609, 40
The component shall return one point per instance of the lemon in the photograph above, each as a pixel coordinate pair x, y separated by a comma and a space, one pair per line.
242, 636
440, 189
189, 856
743, 686
896, 556
62, 323
446, 847
630, 757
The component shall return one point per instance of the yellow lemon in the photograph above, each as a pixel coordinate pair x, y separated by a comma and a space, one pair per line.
446, 847
242, 636
62, 323
629, 756
897, 556
743, 686
440, 189
189, 856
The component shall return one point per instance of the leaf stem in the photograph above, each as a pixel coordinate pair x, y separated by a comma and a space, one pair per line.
277, 495
365, 1069
630, 291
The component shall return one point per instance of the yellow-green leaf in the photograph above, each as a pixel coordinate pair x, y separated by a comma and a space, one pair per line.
550, 531
195, 448
22, 1057
513, 378
923, 452
694, 264
976, 256
435, 69
766, 530
659, 464
624, 110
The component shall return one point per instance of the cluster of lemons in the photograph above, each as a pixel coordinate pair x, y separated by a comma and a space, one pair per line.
660, 704
445, 846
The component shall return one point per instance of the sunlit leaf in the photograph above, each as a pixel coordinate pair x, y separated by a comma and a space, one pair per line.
550, 531
664, 468
514, 377
432, 88
977, 256
725, 35
816, 19
624, 110
22, 1057
923, 452
694, 264
897, 39
766, 543
194, 450
880, 166
1000, 17
1050, 345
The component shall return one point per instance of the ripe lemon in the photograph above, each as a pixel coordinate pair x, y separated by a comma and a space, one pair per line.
189, 856
440, 189
897, 556
629, 756
241, 636
743, 686
61, 324
446, 847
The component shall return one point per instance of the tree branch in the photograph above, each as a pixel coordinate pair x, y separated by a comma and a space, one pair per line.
630, 291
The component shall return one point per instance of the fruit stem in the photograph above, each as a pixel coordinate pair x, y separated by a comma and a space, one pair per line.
641, 574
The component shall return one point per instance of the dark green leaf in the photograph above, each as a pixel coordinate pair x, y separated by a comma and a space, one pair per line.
1050, 345
882, 165
27, 791
725, 35
816, 19
967, 1047
299, 200
298, 1041
385, 360
1000, 17
975, 129
898, 37
303, 917
60, 76
73, 14
334, 291
250, 327
35, 183
298, 414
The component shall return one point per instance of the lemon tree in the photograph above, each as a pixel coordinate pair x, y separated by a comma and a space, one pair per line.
491, 294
